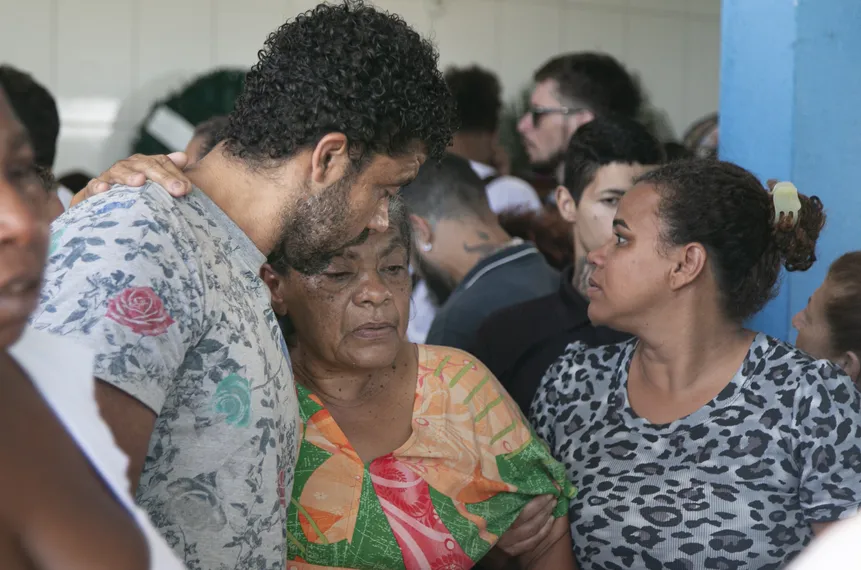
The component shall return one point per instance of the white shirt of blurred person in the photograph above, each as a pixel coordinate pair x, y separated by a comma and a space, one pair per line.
65, 499
571, 90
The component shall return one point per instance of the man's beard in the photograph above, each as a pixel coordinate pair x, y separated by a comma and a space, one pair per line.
582, 272
438, 283
317, 228
549, 165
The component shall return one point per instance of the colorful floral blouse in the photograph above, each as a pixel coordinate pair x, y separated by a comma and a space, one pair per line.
442, 499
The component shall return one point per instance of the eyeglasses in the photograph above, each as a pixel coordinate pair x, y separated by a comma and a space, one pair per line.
537, 112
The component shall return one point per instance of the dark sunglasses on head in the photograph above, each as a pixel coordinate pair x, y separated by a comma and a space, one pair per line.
537, 112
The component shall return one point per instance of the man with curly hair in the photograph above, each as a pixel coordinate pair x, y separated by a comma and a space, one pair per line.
193, 375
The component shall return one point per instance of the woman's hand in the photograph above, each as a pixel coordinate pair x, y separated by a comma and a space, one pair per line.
165, 170
555, 552
531, 527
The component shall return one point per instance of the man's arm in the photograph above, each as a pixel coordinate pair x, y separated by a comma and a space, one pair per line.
132, 424
118, 281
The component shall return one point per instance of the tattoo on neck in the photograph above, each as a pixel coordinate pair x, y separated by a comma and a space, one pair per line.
582, 273
483, 249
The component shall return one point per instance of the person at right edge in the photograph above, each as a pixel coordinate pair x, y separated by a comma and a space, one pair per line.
520, 342
699, 443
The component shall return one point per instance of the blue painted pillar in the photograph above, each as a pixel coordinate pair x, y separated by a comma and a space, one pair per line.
790, 108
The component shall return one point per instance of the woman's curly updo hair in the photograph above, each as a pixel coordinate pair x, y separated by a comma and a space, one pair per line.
345, 68
726, 209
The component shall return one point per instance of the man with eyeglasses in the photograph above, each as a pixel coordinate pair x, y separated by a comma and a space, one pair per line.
571, 90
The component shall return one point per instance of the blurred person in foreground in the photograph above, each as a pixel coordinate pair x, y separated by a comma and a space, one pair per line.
571, 90
193, 373
37, 110
709, 444
64, 497
518, 344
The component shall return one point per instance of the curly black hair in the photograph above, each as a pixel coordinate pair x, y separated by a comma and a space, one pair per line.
346, 68
478, 96
36, 109
726, 209
596, 80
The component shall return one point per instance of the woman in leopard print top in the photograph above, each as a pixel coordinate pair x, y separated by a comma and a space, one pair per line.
700, 444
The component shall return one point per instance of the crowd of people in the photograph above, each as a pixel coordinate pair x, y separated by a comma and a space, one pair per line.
338, 332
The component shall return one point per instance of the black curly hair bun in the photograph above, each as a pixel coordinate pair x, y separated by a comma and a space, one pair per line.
796, 239
346, 68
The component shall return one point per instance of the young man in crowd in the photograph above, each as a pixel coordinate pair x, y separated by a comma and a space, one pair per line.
518, 344
461, 246
571, 90
37, 110
193, 375
479, 103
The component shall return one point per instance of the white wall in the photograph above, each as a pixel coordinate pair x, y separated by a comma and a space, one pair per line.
107, 60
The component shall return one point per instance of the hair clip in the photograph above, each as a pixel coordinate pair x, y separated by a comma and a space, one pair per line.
787, 205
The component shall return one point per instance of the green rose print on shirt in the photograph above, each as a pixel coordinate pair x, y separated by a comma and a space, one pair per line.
232, 398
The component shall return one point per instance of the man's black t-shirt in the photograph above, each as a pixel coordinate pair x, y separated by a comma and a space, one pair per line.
518, 344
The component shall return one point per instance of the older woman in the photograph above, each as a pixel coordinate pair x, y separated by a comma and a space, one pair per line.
700, 444
412, 456
830, 325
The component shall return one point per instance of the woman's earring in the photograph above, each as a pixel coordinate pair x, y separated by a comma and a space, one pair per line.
426, 247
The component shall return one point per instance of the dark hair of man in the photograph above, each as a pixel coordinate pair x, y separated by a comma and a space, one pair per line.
478, 96
211, 132
37, 111
447, 189
75, 180
346, 68
604, 141
399, 220
594, 80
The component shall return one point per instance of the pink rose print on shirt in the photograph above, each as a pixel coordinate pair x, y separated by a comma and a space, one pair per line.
141, 310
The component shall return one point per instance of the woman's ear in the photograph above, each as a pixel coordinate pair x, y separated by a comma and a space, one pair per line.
851, 364
275, 282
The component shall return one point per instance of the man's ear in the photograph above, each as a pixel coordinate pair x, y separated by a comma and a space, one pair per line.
566, 204
423, 233
275, 282
330, 160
